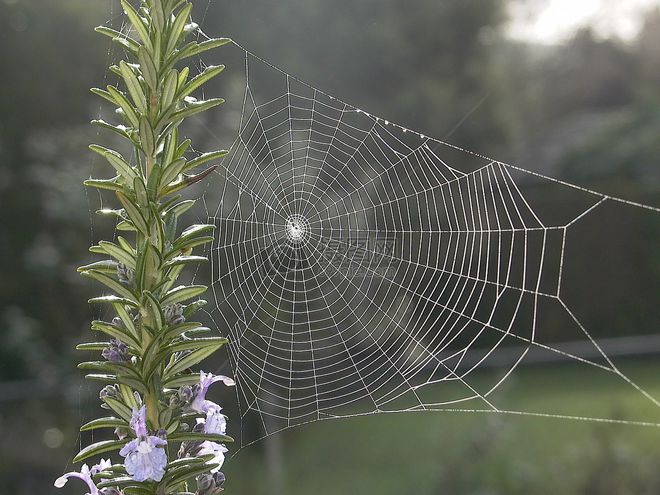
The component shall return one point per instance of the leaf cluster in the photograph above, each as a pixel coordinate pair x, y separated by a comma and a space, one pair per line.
141, 268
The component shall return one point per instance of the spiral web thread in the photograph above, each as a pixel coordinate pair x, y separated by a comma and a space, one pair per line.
361, 267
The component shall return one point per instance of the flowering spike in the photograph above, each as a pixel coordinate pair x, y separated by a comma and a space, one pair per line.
149, 340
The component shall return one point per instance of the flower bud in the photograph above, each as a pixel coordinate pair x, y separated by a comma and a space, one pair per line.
108, 391
116, 352
121, 433
174, 314
189, 448
182, 398
186, 393
204, 483
125, 274
210, 484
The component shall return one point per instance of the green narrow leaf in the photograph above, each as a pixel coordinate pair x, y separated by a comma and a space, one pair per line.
99, 448
189, 360
103, 94
182, 380
177, 28
179, 475
120, 130
205, 158
172, 171
116, 160
148, 265
179, 209
129, 398
192, 49
105, 184
183, 76
140, 194
149, 359
126, 227
158, 14
139, 490
189, 180
170, 147
125, 105
116, 332
182, 293
133, 86
102, 378
120, 408
185, 260
172, 276
134, 383
109, 267
101, 366
126, 320
147, 138
121, 38
182, 148
155, 308
108, 422
137, 22
119, 253
92, 346
183, 247
192, 344
201, 79
191, 436
195, 108
170, 88
193, 308
125, 244
178, 330
112, 299
149, 71
134, 213
184, 462
196, 231
123, 482
110, 282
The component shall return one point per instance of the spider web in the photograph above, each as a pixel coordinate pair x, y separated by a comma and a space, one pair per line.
360, 267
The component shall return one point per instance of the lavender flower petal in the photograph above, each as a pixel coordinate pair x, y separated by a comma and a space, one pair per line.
199, 403
147, 460
85, 475
217, 450
216, 422
145, 457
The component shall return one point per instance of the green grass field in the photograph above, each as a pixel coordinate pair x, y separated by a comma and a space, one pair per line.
434, 453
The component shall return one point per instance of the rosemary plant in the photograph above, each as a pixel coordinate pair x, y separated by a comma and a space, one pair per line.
169, 436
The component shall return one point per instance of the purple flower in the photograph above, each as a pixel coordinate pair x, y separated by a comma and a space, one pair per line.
217, 450
116, 352
85, 475
210, 484
145, 457
199, 402
216, 423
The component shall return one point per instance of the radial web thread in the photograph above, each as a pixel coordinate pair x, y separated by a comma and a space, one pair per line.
360, 267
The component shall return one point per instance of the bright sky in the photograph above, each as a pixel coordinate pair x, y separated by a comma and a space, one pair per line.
552, 21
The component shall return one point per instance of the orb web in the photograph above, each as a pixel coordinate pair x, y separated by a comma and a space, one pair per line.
360, 267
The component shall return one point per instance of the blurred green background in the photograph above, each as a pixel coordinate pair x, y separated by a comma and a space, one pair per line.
571, 90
